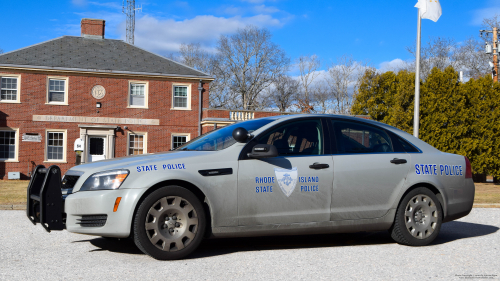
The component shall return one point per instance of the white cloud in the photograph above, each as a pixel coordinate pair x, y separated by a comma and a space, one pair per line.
112, 5
79, 2
182, 3
393, 65
232, 10
263, 9
254, 1
481, 14
158, 35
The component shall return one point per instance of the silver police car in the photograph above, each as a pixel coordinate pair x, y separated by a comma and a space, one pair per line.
283, 175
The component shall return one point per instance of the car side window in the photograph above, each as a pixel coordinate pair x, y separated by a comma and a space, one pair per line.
353, 137
401, 145
303, 137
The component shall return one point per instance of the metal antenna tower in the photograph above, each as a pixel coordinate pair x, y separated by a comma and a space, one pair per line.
128, 8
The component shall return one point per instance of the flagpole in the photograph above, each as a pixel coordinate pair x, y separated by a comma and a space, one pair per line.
417, 81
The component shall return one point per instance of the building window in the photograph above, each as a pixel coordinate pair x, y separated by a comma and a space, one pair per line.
57, 91
179, 139
56, 146
9, 88
7, 145
138, 94
180, 96
137, 144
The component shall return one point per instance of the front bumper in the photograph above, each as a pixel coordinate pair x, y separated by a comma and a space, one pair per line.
86, 212
84, 204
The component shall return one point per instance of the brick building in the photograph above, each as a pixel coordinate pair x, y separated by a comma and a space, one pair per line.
103, 98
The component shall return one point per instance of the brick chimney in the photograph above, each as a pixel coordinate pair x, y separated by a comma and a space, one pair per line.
93, 28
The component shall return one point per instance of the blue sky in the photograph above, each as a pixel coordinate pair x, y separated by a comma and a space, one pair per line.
377, 31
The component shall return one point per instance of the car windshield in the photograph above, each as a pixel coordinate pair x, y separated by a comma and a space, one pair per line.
222, 138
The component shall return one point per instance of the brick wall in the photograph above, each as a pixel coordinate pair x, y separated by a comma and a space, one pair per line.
215, 113
33, 93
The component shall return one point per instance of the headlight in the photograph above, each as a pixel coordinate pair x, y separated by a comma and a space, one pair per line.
105, 180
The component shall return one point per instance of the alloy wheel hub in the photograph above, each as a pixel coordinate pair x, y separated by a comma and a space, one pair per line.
421, 216
171, 223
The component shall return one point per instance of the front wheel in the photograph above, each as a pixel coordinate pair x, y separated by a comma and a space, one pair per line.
418, 218
169, 223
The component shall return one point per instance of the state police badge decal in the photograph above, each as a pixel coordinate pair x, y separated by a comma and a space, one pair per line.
287, 179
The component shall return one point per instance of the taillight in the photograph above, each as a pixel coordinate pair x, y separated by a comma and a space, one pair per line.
468, 170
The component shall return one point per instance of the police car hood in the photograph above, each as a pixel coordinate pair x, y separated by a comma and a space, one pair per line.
131, 162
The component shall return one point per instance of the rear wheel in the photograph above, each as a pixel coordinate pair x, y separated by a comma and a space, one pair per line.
169, 223
418, 218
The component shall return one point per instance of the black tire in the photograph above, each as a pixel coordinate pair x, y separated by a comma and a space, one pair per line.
418, 218
169, 223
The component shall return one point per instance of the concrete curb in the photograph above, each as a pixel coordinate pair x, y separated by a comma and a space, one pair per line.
486, 205
13, 207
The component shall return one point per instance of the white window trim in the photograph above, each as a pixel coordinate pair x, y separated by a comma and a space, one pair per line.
188, 96
65, 145
146, 93
16, 156
66, 90
18, 96
187, 135
144, 142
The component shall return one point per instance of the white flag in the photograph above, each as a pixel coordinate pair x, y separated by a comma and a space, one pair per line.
429, 9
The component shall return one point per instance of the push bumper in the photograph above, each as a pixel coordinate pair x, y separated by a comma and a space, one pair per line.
45, 204
86, 212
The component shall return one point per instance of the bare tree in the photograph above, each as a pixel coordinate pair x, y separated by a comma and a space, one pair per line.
342, 81
252, 62
494, 21
321, 97
1, 51
467, 56
438, 52
221, 95
173, 56
283, 92
194, 56
471, 59
308, 66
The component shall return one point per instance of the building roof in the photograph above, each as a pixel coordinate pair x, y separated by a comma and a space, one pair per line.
96, 55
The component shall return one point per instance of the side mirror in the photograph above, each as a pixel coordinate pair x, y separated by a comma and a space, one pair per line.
240, 134
263, 151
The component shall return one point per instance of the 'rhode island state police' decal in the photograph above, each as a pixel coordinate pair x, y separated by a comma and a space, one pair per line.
287, 179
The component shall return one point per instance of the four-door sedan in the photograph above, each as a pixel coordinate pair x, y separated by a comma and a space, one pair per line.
300, 174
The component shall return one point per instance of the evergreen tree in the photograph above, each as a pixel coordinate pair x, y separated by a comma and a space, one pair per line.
481, 143
455, 117
442, 111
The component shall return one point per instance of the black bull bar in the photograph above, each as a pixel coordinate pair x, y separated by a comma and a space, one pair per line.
45, 204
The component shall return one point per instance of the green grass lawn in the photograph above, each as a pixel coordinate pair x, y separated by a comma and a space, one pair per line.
14, 193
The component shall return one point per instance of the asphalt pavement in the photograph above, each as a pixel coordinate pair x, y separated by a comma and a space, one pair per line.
467, 249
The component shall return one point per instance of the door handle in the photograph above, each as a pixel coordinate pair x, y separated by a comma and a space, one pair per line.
398, 161
318, 166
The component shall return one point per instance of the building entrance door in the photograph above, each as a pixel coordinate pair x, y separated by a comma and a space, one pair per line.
97, 148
